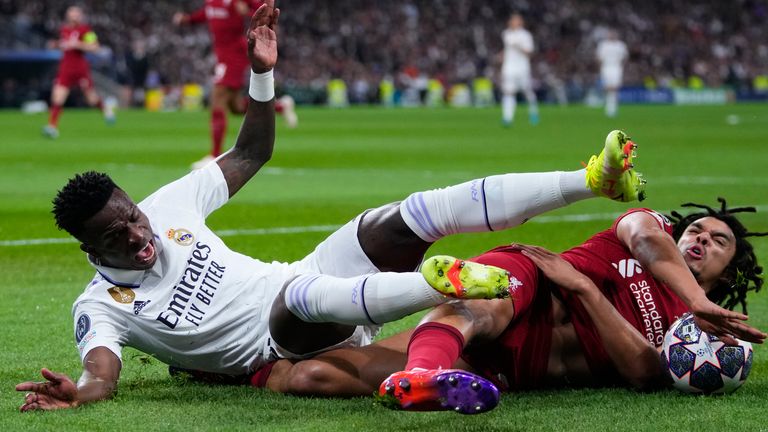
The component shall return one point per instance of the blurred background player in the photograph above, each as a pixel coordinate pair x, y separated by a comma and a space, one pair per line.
75, 39
226, 20
611, 53
516, 71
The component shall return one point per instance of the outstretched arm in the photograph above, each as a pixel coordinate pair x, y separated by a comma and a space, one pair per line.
101, 372
253, 147
636, 359
658, 253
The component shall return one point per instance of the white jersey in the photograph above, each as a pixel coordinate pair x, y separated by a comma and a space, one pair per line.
611, 54
516, 43
201, 304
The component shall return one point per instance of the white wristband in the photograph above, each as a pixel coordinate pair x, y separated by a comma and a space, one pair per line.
262, 87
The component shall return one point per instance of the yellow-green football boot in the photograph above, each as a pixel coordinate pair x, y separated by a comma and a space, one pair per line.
611, 174
465, 279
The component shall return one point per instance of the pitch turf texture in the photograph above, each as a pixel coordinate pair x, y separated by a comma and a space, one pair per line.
338, 163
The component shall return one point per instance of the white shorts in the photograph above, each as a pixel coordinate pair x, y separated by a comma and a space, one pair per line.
513, 81
611, 77
339, 255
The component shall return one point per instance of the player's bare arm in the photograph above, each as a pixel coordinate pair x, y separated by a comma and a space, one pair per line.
254, 144
634, 357
657, 252
101, 371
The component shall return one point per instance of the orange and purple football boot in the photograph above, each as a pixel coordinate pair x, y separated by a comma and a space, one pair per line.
438, 390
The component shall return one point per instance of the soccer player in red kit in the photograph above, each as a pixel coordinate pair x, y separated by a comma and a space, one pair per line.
75, 39
594, 315
225, 20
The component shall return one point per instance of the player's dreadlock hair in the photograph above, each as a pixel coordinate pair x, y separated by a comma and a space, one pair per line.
82, 197
742, 274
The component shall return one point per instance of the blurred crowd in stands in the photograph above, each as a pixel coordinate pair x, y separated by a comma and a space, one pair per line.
713, 42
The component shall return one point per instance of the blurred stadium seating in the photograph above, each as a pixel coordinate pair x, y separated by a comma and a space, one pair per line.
672, 44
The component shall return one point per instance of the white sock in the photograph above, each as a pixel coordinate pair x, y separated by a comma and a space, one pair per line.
361, 300
492, 203
611, 103
508, 104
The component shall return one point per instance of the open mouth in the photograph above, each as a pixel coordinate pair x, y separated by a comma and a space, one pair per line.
695, 252
146, 254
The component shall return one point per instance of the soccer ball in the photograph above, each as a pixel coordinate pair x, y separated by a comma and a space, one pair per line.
700, 363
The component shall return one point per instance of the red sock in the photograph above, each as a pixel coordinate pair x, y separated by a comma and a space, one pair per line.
279, 106
218, 129
260, 377
433, 346
53, 118
100, 105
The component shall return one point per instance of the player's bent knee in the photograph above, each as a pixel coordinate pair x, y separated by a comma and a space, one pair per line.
310, 377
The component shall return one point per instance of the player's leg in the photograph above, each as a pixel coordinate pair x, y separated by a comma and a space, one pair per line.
611, 102
219, 101
59, 95
530, 97
92, 97
285, 105
338, 283
341, 372
508, 98
430, 380
218, 123
395, 237
378, 298
612, 82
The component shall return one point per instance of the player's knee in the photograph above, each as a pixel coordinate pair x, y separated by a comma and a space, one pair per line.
309, 377
388, 241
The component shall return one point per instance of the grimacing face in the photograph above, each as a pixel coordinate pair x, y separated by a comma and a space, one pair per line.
708, 245
120, 235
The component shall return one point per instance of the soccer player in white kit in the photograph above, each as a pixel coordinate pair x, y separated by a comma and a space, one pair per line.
168, 286
611, 53
516, 71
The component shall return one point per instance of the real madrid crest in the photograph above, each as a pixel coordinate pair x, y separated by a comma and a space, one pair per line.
122, 295
181, 236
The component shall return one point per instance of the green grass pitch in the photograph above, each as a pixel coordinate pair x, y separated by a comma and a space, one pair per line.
336, 164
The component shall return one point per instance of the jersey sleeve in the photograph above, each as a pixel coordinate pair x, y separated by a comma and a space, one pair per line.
663, 221
197, 16
527, 42
95, 326
201, 191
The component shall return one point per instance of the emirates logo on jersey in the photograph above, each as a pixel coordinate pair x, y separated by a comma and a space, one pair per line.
628, 267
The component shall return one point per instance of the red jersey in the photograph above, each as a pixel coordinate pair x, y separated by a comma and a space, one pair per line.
647, 304
518, 358
75, 58
227, 27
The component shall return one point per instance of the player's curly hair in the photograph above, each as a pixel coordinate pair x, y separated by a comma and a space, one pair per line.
83, 196
743, 274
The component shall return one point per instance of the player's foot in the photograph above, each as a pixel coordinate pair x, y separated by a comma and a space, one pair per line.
611, 175
506, 123
438, 390
289, 111
202, 162
465, 279
109, 110
533, 119
51, 131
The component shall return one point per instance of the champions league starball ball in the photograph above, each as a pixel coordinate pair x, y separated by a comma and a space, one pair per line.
700, 363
